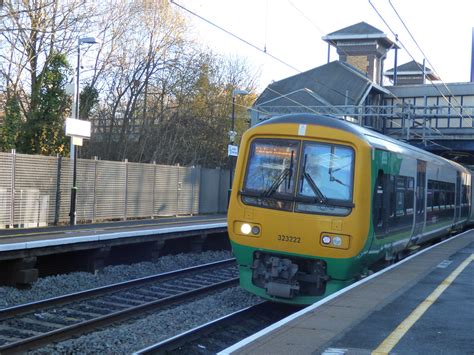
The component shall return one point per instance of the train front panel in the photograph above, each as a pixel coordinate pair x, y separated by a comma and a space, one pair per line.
299, 215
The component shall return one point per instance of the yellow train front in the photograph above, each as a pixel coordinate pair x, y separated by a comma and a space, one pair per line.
296, 222
316, 201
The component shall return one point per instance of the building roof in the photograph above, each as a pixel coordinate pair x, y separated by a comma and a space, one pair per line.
332, 84
421, 90
412, 68
359, 31
361, 28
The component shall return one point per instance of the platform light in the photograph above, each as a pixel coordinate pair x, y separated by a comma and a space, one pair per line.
75, 108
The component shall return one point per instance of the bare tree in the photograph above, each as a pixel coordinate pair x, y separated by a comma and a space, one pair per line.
30, 31
161, 97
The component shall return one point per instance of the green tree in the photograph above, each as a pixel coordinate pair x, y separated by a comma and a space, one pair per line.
44, 129
88, 99
10, 130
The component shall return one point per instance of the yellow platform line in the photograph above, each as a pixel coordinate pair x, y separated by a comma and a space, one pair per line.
392, 340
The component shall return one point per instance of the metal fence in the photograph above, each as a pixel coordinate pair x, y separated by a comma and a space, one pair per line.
36, 190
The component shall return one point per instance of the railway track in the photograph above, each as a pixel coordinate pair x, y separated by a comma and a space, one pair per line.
36, 324
214, 336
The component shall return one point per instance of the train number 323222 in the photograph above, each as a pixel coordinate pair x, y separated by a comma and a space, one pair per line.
288, 238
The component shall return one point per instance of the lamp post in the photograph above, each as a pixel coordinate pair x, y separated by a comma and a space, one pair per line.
75, 114
232, 135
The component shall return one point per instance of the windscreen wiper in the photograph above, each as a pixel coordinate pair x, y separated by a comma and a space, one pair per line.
287, 172
317, 192
332, 178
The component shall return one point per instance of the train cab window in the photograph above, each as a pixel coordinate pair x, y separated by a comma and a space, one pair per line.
326, 179
270, 179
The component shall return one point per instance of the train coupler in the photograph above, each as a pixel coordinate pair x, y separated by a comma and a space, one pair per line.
287, 277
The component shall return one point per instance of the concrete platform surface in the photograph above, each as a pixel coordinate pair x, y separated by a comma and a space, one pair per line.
422, 305
15, 239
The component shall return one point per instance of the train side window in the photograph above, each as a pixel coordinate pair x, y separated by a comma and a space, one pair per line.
429, 196
435, 195
400, 196
378, 207
442, 197
409, 195
393, 205
452, 188
464, 194
392, 197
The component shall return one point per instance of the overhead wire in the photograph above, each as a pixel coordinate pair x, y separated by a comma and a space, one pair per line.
344, 51
256, 47
409, 53
316, 112
279, 60
426, 57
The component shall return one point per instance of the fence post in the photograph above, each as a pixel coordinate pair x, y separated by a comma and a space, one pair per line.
177, 193
12, 194
58, 190
219, 191
154, 190
199, 193
94, 202
196, 186
193, 171
126, 190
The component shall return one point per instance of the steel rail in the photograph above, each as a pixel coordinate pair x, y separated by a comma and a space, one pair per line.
100, 291
193, 334
233, 328
113, 317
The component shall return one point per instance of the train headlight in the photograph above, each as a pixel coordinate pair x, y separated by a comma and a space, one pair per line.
255, 230
338, 241
245, 228
248, 229
326, 239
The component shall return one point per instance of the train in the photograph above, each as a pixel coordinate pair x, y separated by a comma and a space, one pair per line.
318, 202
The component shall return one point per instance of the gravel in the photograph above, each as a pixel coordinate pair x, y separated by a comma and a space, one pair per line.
133, 336
58, 285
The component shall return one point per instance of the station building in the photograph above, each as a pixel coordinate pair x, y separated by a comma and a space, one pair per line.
416, 107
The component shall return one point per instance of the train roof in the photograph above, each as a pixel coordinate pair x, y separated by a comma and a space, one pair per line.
374, 139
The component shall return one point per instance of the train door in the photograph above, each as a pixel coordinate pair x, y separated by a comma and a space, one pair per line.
420, 198
458, 198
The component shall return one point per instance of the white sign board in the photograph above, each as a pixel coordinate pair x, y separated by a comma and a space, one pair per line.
78, 128
232, 150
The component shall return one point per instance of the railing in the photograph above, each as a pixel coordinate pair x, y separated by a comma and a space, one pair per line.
35, 190
404, 121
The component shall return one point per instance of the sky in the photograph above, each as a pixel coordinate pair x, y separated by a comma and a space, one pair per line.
291, 30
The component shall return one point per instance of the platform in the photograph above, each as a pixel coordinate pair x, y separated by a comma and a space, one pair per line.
15, 239
422, 305
23, 252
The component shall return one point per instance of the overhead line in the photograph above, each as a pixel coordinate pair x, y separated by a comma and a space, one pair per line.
274, 57
424, 55
409, 53
235, 36
255, 47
